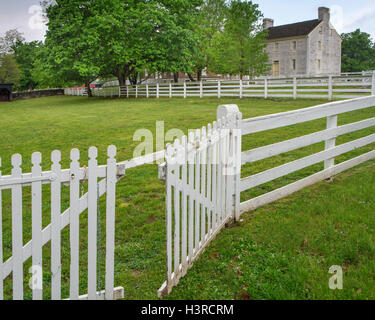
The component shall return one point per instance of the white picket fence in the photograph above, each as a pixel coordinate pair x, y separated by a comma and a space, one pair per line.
200, 206
100, 180
198, 193
203, 189
330, 87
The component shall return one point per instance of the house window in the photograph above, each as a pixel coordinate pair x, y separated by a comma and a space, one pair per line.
319, 64
276, 46
319, 45
294, 45
293, 64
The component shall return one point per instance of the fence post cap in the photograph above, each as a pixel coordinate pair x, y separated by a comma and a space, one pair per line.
226, 109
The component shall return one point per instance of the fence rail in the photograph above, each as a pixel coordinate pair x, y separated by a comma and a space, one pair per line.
331, 87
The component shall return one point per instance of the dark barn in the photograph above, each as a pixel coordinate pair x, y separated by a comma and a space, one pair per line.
6, 91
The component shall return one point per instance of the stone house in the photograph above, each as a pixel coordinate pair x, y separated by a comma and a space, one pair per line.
309, 48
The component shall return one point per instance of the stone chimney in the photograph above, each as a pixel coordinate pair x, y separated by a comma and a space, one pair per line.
267, 23
324, 14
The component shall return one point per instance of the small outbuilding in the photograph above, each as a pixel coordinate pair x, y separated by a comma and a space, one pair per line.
6, 91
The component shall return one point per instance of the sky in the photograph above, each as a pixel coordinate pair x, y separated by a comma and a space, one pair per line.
346, 15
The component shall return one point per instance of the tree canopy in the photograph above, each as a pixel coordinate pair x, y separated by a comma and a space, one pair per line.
9, 71
130, 39
240, 48
358, 52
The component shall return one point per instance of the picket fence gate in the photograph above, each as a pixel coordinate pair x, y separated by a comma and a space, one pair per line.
200, 206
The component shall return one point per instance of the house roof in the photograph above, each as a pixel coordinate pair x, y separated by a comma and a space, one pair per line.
293, 30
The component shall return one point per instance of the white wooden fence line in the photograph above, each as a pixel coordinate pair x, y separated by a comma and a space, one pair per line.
330, 87
228, 185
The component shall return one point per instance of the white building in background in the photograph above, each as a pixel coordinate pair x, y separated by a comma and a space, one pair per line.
309, 48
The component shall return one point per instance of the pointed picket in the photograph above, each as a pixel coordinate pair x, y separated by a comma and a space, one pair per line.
197, 189
92, 222
56, 226
168, 199
203, 184
17, 239
191, 161
74, 224
36, 191
110, 221
184, 206
176, 203
209, 178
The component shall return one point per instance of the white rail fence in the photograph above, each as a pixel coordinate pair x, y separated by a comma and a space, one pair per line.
199, 206
331, 87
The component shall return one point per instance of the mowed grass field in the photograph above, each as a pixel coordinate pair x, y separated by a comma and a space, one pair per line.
280, 251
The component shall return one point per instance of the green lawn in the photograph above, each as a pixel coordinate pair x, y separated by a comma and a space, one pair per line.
281, 251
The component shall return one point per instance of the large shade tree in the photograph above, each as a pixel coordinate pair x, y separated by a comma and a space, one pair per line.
88, 39
240, 48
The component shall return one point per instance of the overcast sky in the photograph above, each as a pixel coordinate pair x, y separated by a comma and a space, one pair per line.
346, 15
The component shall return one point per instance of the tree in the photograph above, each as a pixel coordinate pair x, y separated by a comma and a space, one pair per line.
26, 54
9, 71
119, 38
8, 41
358, 52
240, 48
209, 23
72, 42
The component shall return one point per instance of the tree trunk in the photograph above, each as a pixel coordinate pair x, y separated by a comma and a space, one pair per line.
175, 77
134, 78
89, 92
199, 75
191, 77
122, 79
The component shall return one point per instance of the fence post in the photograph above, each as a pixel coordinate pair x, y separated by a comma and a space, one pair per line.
147, 95
294, 88
373, 84
136, 91
330, 143
170, 90
184, 89
119, 91
240, 89
157, 90
218, 89
330, 88
233, 178
127, 91
201, 89
265, 88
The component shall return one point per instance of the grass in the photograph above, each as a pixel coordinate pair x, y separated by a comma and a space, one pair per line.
281, 251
